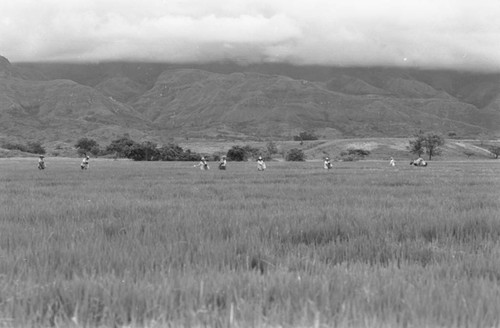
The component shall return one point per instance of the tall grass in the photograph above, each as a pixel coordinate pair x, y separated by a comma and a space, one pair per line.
154, 244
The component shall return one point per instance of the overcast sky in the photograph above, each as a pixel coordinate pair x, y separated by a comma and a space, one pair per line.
462, 34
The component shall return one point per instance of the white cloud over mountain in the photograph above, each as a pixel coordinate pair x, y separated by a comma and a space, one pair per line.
460, 34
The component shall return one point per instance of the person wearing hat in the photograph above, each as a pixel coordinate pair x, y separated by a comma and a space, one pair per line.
392, 162
327, 164
85, 163
261, 166
41, 162
222, 163
203, 164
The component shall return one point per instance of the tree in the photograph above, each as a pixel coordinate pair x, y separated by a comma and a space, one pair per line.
416, 146
428, 143
86, 145
432, 142
295, 155
236, 153
495, 150
151, 152
272, 148
121, 146
35, 147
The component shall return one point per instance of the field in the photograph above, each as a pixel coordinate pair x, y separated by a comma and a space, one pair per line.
164, 244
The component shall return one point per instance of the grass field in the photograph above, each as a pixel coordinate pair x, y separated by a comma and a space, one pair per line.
164, 244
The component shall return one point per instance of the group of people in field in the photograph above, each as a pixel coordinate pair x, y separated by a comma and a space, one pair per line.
203, 164
84, 165
327, 164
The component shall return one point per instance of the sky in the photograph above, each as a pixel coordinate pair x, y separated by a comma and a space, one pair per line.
449, 34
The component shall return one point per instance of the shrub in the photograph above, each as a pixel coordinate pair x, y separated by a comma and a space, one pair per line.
237, 153
14, 146
305, 136
271, 148
495, 150
295, 155
85, 145
34, 147
120, 146
354, 154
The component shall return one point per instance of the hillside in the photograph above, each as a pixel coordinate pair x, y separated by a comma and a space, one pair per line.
214, 105
223, 101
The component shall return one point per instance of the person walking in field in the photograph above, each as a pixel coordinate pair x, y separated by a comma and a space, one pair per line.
222, 163
392, 162
327, 164
261, 165
203, 164
85, 163
41, 162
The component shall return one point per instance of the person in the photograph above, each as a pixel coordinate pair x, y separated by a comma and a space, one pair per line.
392, 162
419, 162
261, 166
203, 164
85, 163
222, 163
327, 164
41, 162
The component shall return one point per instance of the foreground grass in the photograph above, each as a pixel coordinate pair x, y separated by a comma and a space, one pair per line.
154, 244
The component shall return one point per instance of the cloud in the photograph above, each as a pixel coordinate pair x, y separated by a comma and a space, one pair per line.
422, 33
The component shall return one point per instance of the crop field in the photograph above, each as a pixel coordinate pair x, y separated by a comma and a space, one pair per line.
154, 244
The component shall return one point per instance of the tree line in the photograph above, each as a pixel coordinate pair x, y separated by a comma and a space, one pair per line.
149, 151
428, 143
124, 147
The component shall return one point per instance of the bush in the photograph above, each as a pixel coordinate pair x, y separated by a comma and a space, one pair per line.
34, 147
303, 136
354, 154
149, 151
121, 146
295, 155
86, 145
271, 148
14, 146
495, 150
237, 153
252, 152
173, 152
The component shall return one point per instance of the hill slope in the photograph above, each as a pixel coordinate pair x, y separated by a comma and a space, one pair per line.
159, 101
188, 100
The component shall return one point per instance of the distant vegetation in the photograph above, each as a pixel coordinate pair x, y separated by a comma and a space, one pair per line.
242, 153
305, 136
354, 154
295, 155
428, 143
125, 147
495, 150
86, 145
138, 151
33, 147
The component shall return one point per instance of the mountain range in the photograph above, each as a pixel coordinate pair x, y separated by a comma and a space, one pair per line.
224, 101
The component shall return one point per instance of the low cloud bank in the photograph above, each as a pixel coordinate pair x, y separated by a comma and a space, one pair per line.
455, 34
